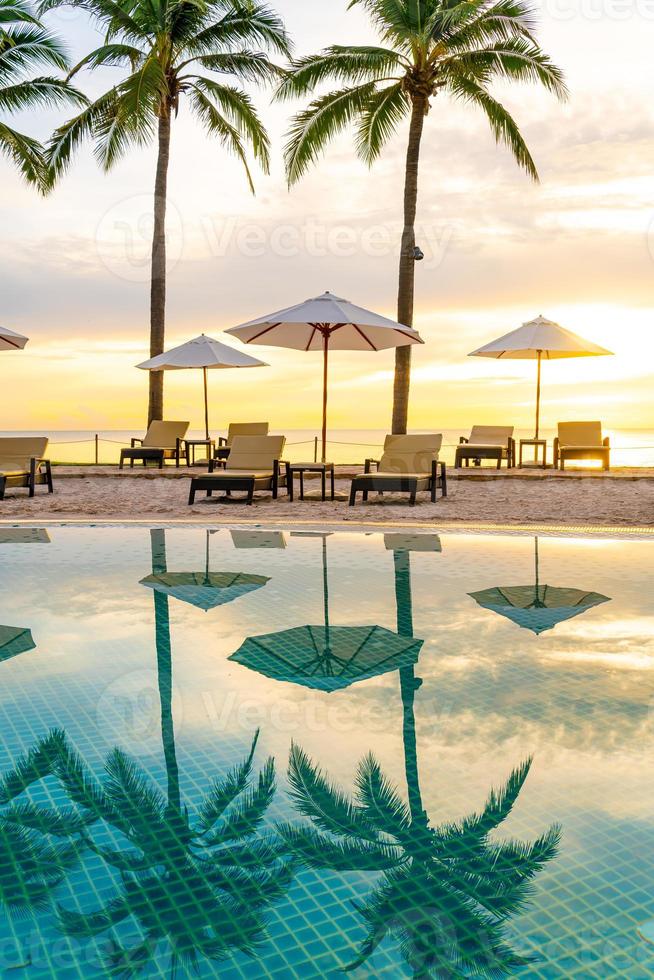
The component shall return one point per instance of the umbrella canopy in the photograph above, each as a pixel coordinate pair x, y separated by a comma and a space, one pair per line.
201, 353
537, 607
538, 339
14, 640
326, 323
327, 658
10, 340
204, 590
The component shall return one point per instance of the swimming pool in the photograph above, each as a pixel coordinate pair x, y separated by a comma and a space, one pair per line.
396, 680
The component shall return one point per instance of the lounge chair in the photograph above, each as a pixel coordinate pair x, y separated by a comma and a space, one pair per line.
253, 465
163, 440
581, 440
487, 442
409, 465
224, 446
22, 464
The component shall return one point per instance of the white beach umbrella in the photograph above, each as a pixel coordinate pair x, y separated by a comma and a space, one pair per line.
10, 340
538, 339
201, 353
326, 323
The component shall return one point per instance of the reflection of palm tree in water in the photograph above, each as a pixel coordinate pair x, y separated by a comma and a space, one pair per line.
446, 892
200, 884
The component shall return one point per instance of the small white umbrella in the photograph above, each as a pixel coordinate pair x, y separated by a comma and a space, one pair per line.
10, 340
538, 339
205, 353
326, 323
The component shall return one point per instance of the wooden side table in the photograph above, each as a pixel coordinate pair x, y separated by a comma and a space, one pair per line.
538, 444
191, 446
301, 468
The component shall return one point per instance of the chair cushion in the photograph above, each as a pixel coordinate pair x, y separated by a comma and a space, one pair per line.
584, 449
421, 478
255, 453
164, 435
13, 473
413, 454
580, 434
239, 474
246, 429
16, 452
491, 435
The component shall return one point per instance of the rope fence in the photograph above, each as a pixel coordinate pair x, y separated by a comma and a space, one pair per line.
97, 441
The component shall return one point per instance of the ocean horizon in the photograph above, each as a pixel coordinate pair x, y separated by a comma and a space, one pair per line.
630, 447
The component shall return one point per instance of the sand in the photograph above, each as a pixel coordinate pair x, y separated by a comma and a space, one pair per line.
622, 498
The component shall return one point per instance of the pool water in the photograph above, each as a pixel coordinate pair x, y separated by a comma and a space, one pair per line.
452, 775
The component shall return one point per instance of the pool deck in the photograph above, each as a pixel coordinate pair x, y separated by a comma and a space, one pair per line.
622, 498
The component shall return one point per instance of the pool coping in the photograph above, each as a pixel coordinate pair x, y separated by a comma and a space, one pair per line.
462, 527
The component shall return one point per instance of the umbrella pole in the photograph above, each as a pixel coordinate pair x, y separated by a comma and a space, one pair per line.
540, 356
325, 340
206, 404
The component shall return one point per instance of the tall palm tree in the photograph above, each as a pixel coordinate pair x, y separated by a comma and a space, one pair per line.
201, 880
430, 48
446, 891
173, 51
25, 47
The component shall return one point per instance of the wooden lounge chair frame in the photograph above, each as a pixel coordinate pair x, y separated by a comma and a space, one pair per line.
469, 448
37, 473
219, 479
156, 454
391, 481
600, 451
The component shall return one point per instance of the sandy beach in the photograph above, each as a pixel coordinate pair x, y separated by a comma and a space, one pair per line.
621, 498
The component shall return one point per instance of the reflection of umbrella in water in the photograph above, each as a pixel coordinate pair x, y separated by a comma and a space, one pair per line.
326, 657
14, 640
537, 607
205, 590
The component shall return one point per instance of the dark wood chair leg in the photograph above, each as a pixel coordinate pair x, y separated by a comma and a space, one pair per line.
122, 460
3, 484
443, 480
191, 496
323, 484
332, 485
364, 496
251, 495
353, 495
412, 498
48, 476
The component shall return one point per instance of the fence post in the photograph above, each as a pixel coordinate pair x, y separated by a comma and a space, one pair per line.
315, 449
97, 456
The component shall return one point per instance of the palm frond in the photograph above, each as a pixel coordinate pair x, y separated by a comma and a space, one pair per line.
248, 812
216, 125
85, 925
384, 112
325, 804
518, 60
35, 764
16, 11
380, 801
348, 65
247, 66
224, 791
26, 47
313, 128
130, 793
253, 24
318, 850
59, 822
503, 126
110, 56
237, 107
37, 93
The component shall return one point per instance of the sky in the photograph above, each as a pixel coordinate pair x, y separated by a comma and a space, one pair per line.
578, 247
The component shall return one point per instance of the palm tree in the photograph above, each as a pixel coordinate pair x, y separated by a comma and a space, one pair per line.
33, 861
446, 891
200, 881
172, 51
26, 46
431, 47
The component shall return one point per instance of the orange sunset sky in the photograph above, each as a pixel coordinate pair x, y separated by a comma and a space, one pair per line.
578, 248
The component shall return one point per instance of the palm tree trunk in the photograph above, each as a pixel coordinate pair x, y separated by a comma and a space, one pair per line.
158, 274
408, 266
165, 671
409, 684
